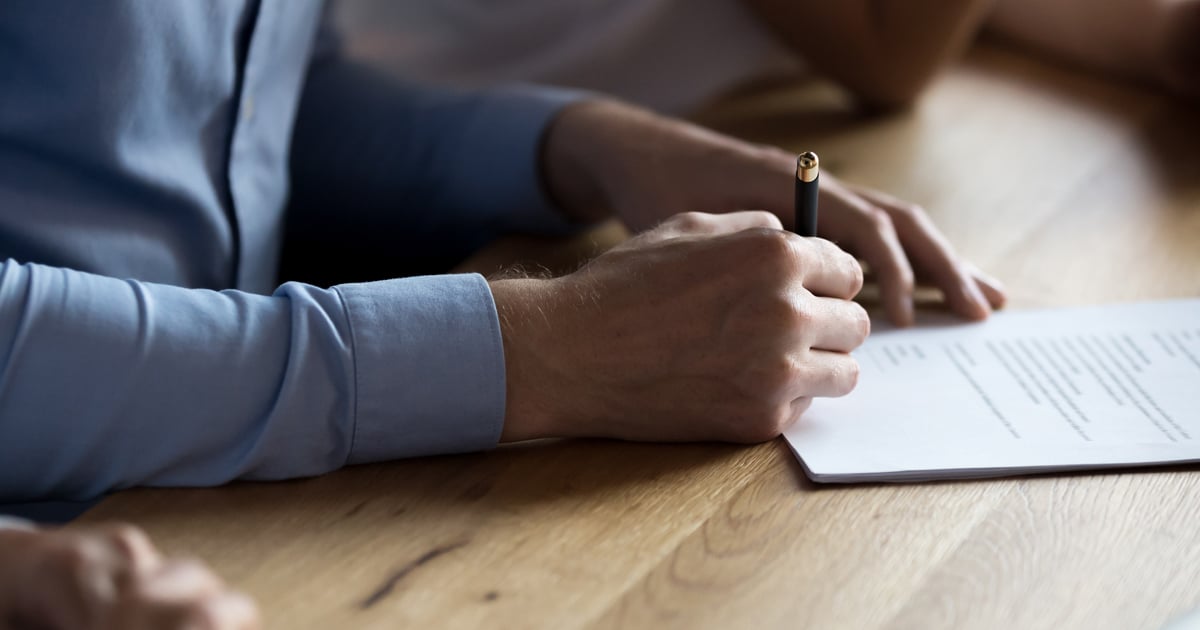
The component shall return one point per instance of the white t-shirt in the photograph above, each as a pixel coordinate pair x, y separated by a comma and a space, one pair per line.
671, 55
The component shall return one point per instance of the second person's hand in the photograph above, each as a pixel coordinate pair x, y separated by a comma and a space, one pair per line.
605, 156
110, 578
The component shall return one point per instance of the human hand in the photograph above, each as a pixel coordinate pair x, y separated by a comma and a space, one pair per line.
603, 155
110, 578
708, 327
901, 246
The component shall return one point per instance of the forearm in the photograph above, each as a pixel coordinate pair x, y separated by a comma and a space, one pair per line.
883, 51
112, 383
427, 164
602, 155
1110, 39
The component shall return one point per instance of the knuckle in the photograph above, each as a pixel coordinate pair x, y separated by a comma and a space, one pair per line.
832, 260
854, 372
802, 314
843, 378
880, 219
690, 221
772, 247
127, 539
777, 376
855, 272
199, 572
862, 322
784, 314
767, 219
761, 381
907, 211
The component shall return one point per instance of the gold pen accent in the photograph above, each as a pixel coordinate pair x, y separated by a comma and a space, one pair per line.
808, 166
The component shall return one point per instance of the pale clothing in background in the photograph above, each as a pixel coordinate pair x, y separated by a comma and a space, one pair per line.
671, 55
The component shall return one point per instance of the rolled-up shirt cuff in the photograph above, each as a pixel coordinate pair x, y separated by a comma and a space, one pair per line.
429, 367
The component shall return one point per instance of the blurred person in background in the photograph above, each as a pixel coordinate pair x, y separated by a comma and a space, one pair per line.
676, 55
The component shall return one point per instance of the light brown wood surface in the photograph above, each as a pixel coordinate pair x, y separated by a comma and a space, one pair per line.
1070, 189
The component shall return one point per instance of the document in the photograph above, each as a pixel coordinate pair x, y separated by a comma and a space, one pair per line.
1024, 392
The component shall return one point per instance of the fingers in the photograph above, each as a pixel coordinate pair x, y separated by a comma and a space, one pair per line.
133, 548
81, 573
113, 577
882, 250
223, 611
992, 288
820, 266
837, 325
825, 374
236, 611
185, 594
179, 580
826, 270
932, 254
873, 237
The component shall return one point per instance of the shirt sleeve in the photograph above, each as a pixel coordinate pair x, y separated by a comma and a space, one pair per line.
107, 383
430, 167
12, 522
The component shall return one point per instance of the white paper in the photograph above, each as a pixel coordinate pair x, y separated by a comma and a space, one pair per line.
1024, 392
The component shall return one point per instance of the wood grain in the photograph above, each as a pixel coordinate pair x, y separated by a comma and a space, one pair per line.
1070, 189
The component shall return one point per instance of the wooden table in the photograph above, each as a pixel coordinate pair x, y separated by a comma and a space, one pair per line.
1070, 189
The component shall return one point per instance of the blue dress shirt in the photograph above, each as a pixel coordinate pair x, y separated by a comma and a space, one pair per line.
145, 155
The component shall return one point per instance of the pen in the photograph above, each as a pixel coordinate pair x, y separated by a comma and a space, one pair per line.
808, 171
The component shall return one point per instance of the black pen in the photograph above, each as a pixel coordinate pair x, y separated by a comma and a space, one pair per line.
808, 171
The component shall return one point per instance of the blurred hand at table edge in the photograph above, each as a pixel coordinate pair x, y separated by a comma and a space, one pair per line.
110, 577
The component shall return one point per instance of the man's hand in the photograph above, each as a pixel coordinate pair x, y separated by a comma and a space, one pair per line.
110, 578
708, 327
603, 156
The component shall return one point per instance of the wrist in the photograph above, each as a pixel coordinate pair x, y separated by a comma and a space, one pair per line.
523, 307
569, 161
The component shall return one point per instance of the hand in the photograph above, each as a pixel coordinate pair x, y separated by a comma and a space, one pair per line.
601, 155
109, 578
900, 244
708, 327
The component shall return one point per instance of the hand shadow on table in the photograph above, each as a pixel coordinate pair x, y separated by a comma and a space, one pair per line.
459, 493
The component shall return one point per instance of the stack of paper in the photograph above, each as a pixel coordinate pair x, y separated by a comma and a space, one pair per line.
1024, 392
